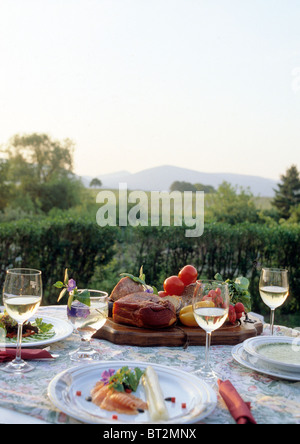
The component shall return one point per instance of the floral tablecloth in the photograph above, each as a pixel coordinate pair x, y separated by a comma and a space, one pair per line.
273, 400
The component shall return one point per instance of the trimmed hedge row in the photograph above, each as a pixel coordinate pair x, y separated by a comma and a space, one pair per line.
229, 250
52, 245
86, 249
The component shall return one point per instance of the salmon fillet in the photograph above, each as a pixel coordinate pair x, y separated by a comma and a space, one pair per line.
110, 399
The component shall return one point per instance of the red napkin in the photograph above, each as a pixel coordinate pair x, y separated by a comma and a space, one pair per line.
8, 354
239, 409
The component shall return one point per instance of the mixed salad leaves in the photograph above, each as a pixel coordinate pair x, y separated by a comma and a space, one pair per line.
9, 327
124, 380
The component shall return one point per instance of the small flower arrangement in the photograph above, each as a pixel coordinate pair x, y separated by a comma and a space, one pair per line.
70, 286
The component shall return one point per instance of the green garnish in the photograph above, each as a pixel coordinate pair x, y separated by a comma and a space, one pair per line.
238, 290
126, 379
42, 326
140, 280
69, 285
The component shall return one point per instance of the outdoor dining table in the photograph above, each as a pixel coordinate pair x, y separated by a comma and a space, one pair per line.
24, 398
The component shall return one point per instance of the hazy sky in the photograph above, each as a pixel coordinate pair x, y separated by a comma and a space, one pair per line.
211, 85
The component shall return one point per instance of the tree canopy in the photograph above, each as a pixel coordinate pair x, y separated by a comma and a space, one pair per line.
38, 173
287, 196
187, 186
96, 183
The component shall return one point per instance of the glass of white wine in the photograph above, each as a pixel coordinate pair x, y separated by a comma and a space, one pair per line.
87, 319
210, 307
22, 296
273, 289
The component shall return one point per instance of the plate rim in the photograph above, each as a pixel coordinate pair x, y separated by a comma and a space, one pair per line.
276, 373
279, 364
84, 416
69, 331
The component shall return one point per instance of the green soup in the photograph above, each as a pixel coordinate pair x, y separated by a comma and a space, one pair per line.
282, 352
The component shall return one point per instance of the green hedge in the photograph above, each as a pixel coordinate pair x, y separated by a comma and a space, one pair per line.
95, 254
51, 245
230, 250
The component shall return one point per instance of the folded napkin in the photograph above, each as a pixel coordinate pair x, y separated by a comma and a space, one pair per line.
239, 409
8, 354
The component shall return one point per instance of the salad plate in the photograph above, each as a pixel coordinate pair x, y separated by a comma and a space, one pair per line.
193, 399
280, 352
60, 330
241, 356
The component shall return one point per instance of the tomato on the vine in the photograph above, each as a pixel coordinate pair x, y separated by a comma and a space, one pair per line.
174, 286
188, 275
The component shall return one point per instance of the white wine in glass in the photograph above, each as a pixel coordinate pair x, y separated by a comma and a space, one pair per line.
210, 307
22, 295
273, 289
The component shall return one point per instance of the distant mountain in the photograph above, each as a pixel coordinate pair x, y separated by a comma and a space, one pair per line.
160, 178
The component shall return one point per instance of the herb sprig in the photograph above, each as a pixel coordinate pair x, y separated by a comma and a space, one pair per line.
69, 285
141, 280
125, 379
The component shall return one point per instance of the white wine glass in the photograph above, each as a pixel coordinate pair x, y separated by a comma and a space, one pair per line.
210, 307
273, 289
22, 296
87, 320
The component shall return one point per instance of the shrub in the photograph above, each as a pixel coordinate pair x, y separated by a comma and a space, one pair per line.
53, 244
231, 250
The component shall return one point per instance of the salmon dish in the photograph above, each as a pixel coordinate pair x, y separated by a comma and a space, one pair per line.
108, 398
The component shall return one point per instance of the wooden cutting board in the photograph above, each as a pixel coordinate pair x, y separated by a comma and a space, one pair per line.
177, 336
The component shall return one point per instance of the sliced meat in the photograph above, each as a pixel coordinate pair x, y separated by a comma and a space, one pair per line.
124, 287
144, 310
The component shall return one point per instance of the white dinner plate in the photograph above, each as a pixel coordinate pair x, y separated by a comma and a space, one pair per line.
253, 363
61, 330
200, 399
256, 346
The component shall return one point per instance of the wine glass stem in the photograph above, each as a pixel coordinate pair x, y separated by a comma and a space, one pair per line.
272, 321
207, 349
85, 344
18, 358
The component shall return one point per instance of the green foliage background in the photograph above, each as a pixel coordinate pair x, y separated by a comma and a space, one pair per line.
96, 256
48, 221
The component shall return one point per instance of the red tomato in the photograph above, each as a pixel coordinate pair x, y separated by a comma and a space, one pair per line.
173, 286
212, 294
188, 274
218, 291
162, 294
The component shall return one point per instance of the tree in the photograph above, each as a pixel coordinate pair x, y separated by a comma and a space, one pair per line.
287, 196
206, 188
182, 186
41, 156
231, 204
40, 169
96, 183
5, 187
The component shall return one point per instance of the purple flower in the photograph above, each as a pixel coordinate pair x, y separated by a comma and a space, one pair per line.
71, 285
149, 290
106, 375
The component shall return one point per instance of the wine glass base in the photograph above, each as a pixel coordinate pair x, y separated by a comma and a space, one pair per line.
208, 375
82, 355
18, 367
